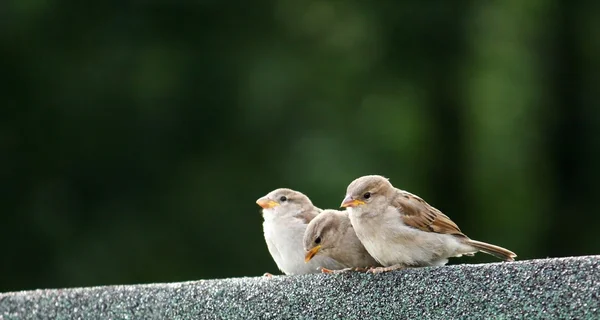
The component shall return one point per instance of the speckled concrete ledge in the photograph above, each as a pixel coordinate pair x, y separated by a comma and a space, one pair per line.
564, 288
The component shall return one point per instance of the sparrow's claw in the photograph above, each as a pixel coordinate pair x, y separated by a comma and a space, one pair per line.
325, 270
329, 271
386, 269
376, 270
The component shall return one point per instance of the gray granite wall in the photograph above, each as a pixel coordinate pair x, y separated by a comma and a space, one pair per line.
564, 288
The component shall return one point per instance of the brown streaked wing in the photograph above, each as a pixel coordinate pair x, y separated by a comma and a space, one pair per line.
417, 213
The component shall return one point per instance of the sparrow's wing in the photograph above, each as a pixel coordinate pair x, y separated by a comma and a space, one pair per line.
307, 215
417, 213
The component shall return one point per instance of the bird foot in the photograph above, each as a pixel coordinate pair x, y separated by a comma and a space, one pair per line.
268, 275
329, 271
386, 269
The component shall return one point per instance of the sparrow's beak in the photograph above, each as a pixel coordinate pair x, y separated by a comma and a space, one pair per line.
349, 202
311, 253
266, 203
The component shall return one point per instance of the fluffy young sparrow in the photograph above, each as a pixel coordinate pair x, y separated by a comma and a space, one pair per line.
400, 230
331, 234
286, 215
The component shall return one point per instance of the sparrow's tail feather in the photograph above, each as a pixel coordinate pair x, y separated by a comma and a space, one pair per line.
493, 250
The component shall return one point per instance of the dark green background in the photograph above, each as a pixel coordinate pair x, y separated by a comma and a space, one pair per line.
136, 136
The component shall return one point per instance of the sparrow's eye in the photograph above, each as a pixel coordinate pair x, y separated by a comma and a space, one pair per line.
283, 198
318, 240
367, 195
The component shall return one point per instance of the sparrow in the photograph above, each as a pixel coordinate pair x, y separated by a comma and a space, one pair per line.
331, 234
286, 215
401, 230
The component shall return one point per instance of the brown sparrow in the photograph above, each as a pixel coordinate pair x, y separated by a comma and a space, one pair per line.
331, 234
400, 230
286, 215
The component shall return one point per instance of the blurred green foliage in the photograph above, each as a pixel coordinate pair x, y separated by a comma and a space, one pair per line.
136, 136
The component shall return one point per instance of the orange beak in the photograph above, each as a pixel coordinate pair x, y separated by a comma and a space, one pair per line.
266, 203
349, 202
311, 253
